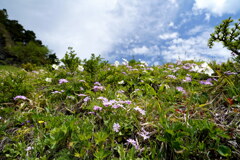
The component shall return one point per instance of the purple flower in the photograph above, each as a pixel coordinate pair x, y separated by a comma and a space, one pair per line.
98, 88
102, 98
206, 82
186, 67
134, 143
187, 79
127, 102
144, 134
86, 99
230, 73
172, 76
117, 105
82, 95
116, 127
82, 81
180, 89
143, 112
120, 91
97, 108
54, 92
97, 83
124, 73
62, 81
29, 148
20, 97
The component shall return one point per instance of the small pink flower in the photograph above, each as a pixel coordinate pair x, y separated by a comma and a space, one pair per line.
143, 112
116, 127
97, 108
62, 81
20, 97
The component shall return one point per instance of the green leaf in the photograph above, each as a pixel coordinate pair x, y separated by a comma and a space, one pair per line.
224, 150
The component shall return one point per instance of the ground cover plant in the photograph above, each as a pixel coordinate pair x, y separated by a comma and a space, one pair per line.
183, 110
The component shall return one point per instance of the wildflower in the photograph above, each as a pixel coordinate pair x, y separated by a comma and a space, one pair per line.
20, 97
97, 108
143, 112
187, 79
172, 76
127, 102
102, 98
134, 143
80, 68
120, 91
98, 88
180, 89
170, 66
40, 122
186, 67
48, 79
124, 73
54, 92
206, 82
144, 134
116, 127
62, 81
116, 63
125, 62
29, 148
97, 83
82, 81
230, 73
117, 106
54, 66
204, 68
35, 72
71, 97
121, 82
144, 63
82, 95
86, 99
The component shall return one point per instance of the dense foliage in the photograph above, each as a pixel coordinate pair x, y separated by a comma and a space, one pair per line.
229, 35
185, 110
20, 46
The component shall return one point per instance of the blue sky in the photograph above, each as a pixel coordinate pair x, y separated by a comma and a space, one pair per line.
157, 31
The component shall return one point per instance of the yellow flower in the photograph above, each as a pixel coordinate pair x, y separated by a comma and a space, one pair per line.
40, 122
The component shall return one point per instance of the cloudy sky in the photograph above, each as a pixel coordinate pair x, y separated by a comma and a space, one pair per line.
156, 31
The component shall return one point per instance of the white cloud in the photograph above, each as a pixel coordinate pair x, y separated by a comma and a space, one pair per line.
166, 36
207, 17
196, 30
92, 26
140, 50
217, 7
195, 48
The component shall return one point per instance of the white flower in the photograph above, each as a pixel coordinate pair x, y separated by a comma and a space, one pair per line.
48, 79
125, 62
121, 82
80, 68
54, 66
116, 63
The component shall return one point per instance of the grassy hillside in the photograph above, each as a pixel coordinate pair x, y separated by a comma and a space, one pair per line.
187, 110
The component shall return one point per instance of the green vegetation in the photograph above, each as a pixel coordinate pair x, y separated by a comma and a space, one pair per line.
19, 46
187, 110
228, 35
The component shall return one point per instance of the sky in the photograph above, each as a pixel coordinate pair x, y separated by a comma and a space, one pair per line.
156, 31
